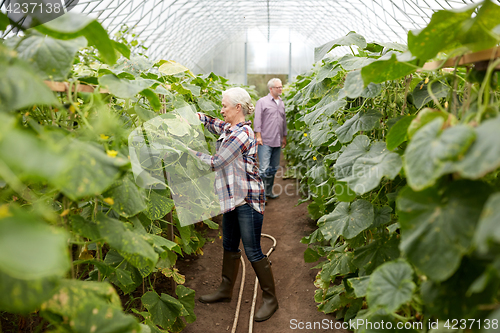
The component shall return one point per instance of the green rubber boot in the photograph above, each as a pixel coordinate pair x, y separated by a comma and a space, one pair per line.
269, 306
230, 267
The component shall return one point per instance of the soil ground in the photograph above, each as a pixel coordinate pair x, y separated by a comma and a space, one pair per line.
294, 278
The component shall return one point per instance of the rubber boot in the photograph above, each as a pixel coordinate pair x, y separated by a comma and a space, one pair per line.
268, 186
230, 267
263, 271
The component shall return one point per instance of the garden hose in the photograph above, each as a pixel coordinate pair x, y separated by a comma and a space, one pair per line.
242, 285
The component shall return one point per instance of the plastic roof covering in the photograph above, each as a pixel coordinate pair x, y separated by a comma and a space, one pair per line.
187, 30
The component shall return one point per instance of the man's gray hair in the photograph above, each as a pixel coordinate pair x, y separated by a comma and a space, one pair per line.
240, 96
271, 82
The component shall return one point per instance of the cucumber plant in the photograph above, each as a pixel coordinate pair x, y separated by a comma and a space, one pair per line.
401, 167
78, 235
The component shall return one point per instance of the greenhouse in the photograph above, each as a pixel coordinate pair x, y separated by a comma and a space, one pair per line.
249, 166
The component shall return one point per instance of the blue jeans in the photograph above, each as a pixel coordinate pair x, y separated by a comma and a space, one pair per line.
269, 160
243, 223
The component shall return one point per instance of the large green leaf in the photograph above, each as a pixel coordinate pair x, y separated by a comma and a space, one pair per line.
123, 270
350, 62
393, 46
122, 48
153, 98
437, 228
340, 263
328, 70
334, 299
368, 170
25, 296
194, 89
186, 298
128, 243
431, 152
315, 89
359, 147
359, 284
181, 89
381, 250
71, 25
134, 67
351, 38
479, 28
120, 277
128, 199
449, 29
371, 91
83, 306
22, 152
159, 243
50, 57
327, 110
399, 132
362, 121
421, 94
92, 173
31, 249
484, 154
176, 125
164, 309
392, 66
124, 88
391, 285
440, 34
424, 117
487, 229
382, 216
206, 104
4, 21
170, 67
343, 192
354, 85
143, 114
319, 137
16, 78
84, 228
100, 317
159, 204
347, 220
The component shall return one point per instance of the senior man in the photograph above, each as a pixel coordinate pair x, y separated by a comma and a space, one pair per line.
270, 132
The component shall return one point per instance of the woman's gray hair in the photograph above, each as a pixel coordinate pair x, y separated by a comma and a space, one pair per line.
240, 96
271, 82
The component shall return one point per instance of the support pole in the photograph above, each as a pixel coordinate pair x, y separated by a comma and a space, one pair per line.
245, 77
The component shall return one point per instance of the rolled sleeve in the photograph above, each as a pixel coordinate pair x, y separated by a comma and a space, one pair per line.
213, 125
230, 150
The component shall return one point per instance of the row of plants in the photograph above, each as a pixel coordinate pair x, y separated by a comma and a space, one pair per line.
81, 245
401, 165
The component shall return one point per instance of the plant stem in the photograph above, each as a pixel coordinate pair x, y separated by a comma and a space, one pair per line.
485, 89
434, 98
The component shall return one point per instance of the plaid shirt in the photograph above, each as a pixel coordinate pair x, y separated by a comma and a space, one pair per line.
238, 142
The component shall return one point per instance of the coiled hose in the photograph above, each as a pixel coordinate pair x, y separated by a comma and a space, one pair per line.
242, 285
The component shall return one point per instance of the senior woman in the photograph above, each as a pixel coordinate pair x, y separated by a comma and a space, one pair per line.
242, 217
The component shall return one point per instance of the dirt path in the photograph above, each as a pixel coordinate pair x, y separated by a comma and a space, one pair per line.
294, 278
